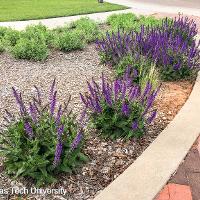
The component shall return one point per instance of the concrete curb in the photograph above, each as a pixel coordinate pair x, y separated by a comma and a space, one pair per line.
150, 172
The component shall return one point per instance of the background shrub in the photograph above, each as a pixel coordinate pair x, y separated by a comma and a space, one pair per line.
88, 28
38, 32
70, 40
31, 49
122, 21
119, 109
10, 38
42, 142
3, 31
130, 22
1, 47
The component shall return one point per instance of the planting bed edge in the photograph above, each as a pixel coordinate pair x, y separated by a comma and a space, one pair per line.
150, 172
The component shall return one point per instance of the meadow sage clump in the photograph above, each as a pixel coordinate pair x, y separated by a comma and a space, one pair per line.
171, 46
42, 141
120, 108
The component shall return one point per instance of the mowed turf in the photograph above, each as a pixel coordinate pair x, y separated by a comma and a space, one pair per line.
12, 10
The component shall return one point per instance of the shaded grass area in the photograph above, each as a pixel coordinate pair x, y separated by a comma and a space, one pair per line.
12, 10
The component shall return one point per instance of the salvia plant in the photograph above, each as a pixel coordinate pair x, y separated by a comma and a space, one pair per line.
183, 26
43, 141
120, 108
175, 55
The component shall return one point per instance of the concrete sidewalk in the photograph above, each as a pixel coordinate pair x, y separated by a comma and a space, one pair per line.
60, 21
158, 6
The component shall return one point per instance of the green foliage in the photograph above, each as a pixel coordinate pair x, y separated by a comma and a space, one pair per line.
31, 49
11, 37
144, 70
112, 123
32, 44
38, 32
1, 47
168, 73
33, 158
146, 21
69, 40
3, 31
89, 28
122, 21
130, 22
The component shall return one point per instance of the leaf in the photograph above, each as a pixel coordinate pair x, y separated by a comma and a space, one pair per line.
65, 169
83, 157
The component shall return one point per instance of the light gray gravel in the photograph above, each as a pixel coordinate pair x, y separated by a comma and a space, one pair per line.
70, 70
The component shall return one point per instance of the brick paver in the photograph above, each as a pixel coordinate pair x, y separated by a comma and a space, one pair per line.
175, 192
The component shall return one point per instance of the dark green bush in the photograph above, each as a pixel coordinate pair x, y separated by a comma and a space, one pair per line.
130, 22
38, 32
31, 49
122, 21
70, 40
3, 31
89, 28
42, 142
11, 37
2, 49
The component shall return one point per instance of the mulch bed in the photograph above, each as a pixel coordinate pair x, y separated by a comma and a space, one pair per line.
107, 159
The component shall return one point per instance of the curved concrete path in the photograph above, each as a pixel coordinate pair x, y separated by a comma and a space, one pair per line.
135, 6
150, 172
172, 6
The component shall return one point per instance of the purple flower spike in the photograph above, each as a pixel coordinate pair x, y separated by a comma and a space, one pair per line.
134, 125
38, 95
60, 131
135, 73
33, 112
53, 103
19, 101
116, 88
125, 109
58, 153
147, 89
28, 129
59, 115
52, 90
83, 99
123, 91
76, 140
151, 118
82, 117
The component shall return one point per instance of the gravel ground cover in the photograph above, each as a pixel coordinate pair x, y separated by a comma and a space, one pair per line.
107, 159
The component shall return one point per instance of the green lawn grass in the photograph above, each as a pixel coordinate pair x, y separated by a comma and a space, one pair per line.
12, 10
